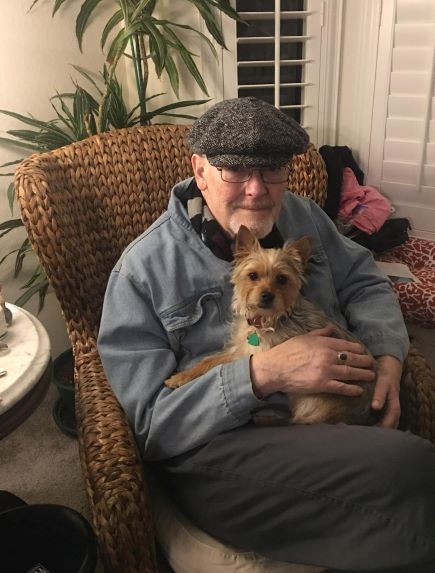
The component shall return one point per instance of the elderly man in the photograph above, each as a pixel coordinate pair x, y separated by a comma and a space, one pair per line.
346, 497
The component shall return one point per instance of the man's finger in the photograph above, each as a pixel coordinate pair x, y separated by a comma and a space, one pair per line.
392, 416
347, 372
327, 330
380, 394
343, 389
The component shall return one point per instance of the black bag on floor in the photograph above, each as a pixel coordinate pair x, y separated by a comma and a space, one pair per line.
394, 232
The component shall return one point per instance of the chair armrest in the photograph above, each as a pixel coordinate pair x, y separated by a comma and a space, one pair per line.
113, 472
417, 396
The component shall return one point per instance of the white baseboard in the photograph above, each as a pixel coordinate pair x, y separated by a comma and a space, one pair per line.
422, 234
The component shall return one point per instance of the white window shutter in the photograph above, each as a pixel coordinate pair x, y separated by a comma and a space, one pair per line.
277, 57
407, 171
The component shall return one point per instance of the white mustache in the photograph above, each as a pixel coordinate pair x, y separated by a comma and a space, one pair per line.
254, 206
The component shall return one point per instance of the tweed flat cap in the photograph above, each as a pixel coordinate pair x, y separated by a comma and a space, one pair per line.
246, 132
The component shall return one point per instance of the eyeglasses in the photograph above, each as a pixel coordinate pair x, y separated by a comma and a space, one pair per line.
243, 174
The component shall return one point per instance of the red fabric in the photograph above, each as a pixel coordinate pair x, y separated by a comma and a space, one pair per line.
417, 300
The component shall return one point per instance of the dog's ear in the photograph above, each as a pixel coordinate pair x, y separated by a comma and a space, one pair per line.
245, 241
303, 246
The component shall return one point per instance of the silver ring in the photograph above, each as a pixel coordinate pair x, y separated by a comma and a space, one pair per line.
342, 357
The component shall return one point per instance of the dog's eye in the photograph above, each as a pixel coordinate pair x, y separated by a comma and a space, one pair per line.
281, 279
253, 276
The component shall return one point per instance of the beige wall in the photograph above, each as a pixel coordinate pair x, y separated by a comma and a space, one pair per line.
35, 54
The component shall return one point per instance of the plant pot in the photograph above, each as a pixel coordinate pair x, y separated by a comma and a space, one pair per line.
63, 379
46, 537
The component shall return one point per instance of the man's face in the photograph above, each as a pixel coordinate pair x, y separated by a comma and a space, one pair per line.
253, 203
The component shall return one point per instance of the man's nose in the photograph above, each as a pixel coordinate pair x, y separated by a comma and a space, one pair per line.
255, 185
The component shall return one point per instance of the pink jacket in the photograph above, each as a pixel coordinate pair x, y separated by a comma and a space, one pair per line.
361, 205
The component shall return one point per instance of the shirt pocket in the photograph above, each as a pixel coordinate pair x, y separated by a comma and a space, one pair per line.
319, 286
197, 327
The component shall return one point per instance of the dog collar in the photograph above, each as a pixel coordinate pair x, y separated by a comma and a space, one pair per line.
253, 339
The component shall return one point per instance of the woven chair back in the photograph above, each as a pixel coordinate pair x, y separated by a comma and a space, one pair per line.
84, 203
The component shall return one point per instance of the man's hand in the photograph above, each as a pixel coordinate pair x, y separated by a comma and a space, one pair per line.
309, 364
387, 390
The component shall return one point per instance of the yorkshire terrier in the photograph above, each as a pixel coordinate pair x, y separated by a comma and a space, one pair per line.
268, 309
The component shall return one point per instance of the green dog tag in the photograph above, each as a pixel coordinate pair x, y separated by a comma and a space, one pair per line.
253, 339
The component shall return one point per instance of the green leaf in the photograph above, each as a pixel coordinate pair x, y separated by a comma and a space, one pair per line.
210, 21
203, 36
118, 46
149, 98
116, 108
92, 125
69, 116
85, 13
42, 140
158, 46
40, 288
26, 134
37, 273
178, 104
193, 69
21, 255
86, 75
8, 226
33, 4
2, 260
186, 56
179, 115
42, 293
11, 194
57, 5
112, 23
19, 144
143, 7
172, 72
46, 126
159, 64
225, 7
11, 163
162, 110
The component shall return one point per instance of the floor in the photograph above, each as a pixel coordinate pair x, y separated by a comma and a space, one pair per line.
40, 464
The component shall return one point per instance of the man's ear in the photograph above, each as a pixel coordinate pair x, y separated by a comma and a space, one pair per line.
245, 241
198, 166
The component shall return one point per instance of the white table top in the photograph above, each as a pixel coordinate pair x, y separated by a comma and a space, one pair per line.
26, 358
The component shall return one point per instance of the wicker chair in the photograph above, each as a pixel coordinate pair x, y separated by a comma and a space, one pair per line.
81, 205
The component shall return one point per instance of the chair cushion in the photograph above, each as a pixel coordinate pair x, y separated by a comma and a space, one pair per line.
190, 550
417, 300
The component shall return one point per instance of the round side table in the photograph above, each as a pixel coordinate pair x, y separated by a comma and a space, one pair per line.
28, 367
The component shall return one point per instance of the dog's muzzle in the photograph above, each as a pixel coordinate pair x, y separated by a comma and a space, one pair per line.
266, 299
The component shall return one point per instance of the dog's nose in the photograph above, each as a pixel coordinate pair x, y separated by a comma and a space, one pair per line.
266, 297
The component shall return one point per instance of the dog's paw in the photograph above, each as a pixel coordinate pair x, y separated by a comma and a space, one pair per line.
177, 380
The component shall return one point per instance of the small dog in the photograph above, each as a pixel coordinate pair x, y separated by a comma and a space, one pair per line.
269, 309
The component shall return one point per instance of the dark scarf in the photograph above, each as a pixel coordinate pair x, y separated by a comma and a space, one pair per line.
211, 233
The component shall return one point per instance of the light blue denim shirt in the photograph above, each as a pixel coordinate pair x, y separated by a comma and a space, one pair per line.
168, 304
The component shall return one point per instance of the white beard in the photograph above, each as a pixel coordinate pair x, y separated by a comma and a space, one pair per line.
260, 227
